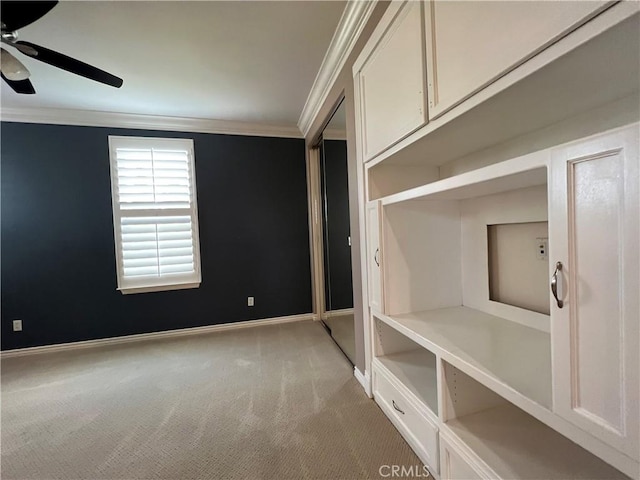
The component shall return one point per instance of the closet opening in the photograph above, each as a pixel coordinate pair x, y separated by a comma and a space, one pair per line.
335, 276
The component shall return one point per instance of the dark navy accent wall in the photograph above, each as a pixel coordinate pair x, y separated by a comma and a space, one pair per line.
57, 250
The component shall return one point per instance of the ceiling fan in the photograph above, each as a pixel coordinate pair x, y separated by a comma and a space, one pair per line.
17, 14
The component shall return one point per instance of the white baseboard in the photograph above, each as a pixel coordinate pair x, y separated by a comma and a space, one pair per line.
60, 347
337, 313
365, 380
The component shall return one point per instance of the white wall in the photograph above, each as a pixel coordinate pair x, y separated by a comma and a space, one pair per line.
516, 275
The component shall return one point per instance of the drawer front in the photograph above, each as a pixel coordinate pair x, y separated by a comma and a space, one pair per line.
453, 465
419, 431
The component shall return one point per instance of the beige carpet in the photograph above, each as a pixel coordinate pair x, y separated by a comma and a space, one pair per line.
273, 402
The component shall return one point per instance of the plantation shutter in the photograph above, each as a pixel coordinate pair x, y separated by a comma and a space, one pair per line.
155, 214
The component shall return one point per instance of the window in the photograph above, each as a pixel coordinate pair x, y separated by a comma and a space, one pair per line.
155, 220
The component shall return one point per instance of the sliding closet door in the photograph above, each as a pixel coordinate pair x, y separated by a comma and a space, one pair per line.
336, 242
338, 315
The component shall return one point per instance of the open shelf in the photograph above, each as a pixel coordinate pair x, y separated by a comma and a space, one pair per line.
516, 445
416, 370
509, 354
436, 249
522, 172
410, 364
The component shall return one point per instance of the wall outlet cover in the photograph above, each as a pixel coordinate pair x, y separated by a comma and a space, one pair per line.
542, 248
17, 325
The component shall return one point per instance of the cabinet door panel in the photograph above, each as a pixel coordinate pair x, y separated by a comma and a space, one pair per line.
392, 82
595, 335
374, 256
472, 43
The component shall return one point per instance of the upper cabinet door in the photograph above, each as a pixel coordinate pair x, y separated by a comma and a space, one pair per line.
472, 43
593, 231
392, 81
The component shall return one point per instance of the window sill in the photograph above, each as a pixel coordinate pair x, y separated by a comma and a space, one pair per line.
158, 288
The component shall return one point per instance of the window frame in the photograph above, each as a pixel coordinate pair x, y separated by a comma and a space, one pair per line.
162, 282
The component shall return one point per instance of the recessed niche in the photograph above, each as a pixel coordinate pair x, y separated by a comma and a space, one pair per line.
519, 265
408, 362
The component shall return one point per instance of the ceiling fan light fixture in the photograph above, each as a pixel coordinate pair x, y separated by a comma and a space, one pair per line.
11, 67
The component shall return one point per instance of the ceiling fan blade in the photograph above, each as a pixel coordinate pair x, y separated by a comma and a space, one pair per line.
32, 52
11, 67
69, 64
20, 86
18, 14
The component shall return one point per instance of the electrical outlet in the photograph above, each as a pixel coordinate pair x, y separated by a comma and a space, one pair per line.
250, 301
542, 248
17, 325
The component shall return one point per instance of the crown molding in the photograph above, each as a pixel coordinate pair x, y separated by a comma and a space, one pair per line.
58, 116
353, 20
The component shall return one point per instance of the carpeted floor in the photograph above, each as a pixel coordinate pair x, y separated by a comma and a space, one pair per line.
273, 402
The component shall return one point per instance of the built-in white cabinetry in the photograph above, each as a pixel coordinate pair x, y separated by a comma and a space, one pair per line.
411, 418
494, 71
454, 464
502, 235
405, 387
374, 256
392, 80
571, 376
594, 227
473, 43
485, 436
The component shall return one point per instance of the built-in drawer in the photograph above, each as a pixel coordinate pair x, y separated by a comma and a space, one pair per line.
408, 416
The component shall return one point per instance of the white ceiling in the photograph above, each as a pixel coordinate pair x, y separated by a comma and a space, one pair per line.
248, 61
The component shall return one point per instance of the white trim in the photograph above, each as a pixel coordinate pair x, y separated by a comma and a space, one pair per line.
159, 281
315, 232
57, 116
362, 186
159, 288
338, 313
182, 332
376, 36
334, 134
364, 380
354, 18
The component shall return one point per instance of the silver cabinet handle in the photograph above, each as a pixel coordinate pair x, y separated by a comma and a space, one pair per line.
396, 406
375, 256
554, 285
